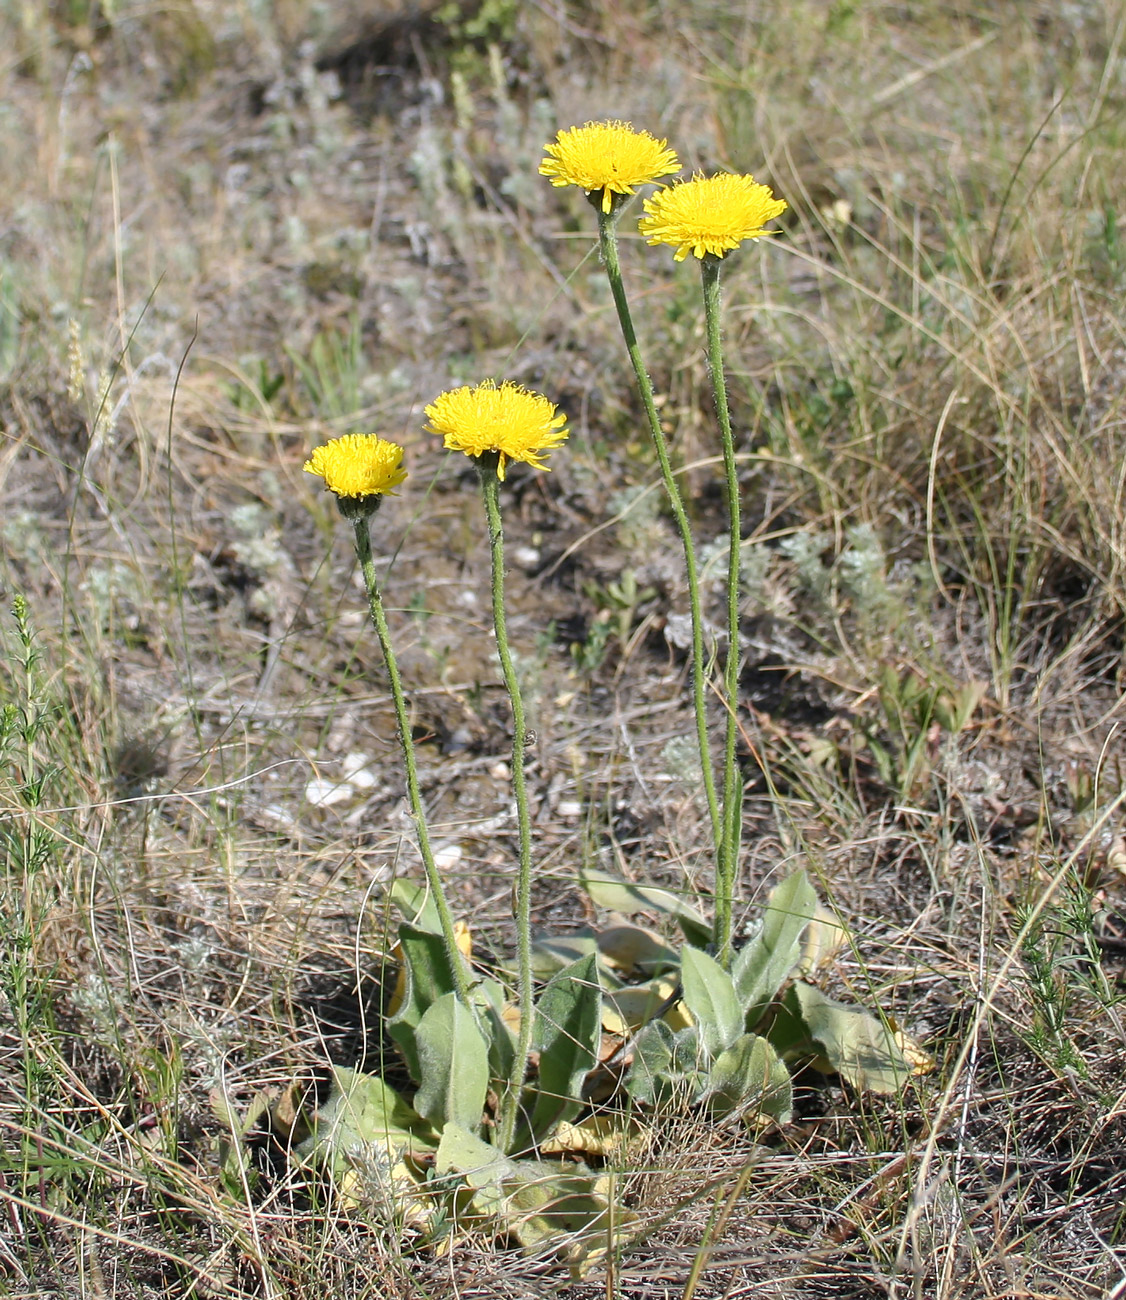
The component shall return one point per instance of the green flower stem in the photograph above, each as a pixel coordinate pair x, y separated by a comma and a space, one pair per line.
487, 464
375, 605
729, 857
608, 241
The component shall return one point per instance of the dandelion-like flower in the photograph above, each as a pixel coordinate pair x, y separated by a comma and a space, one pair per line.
607, 156
358, 465
509, 420
709, 214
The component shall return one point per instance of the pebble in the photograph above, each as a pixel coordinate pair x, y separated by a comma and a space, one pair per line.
447, 857
323, 794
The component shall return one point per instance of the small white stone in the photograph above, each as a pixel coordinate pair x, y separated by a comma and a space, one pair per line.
526, 556
354, 767
678, 631
569, 808
448, 857
500, 772
323, 794
273, 814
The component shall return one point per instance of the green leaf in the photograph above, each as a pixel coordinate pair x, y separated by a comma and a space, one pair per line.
859, 1047
417, 905
787, 1031
454, 1063
763, 965
363, 1120
428, 978
709, 995
506, 1189
621, 896
488, 998
750, 1076
567, 1031
484, 1168
652, 1055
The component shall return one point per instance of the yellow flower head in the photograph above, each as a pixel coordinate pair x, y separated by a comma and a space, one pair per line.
508, 419
709, 214
358, 465
607, 156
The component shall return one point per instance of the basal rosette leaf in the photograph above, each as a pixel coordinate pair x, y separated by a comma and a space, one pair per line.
567, 1032
536, 1202
618, 895
860, 1047
453, 1065
428, 977
709, 994
764, 964
750, 1077
369, 1140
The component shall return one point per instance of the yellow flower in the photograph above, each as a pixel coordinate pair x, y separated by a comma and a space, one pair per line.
358, 465
508, 419
709, 214
607, 156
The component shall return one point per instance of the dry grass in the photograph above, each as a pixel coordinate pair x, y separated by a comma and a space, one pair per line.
227, 231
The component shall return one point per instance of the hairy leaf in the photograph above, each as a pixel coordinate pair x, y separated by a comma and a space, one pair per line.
625, 1011
622, 896
553, 952
534, 1201
364, 1120
763, 965
633, 948
750, 1076
859, 1047
428, 978
454, 1065
566, 1035
652, 1056
709, 994
488, 998
417, 904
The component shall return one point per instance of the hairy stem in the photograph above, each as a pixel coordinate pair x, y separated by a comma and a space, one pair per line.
379, 621
608, 241
732, 791
487, 464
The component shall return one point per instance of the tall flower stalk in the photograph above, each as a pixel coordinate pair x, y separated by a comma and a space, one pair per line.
709, 217
490, 494
494, 425
728, 858
414, 794
608, 246
361, 469
608, 160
